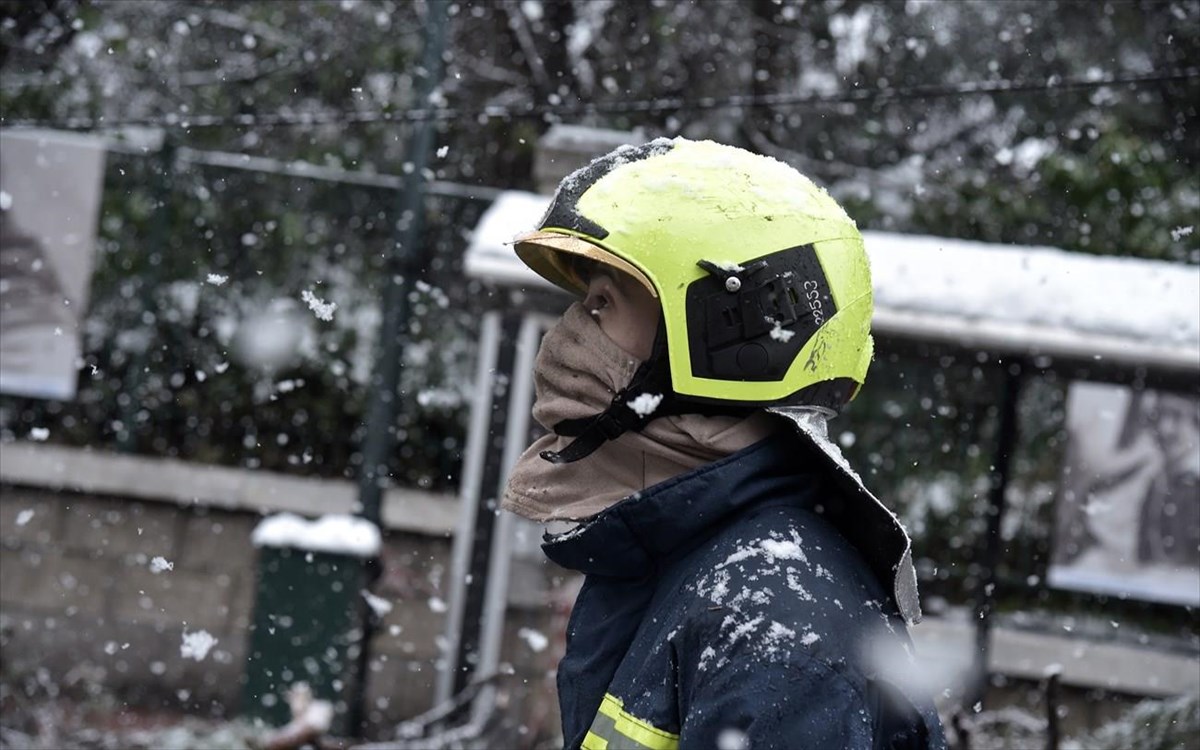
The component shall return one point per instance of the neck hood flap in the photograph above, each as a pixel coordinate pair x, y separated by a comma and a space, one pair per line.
867, 523
630, 538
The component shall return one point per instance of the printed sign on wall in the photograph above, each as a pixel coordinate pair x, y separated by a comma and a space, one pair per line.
1129, 511
50, 186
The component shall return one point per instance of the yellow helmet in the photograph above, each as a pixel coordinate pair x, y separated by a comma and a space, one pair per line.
763, 279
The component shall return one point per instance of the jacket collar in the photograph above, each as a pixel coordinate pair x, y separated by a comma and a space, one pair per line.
628, 539
865, 521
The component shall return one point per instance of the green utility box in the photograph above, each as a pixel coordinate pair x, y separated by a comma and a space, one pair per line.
308, 622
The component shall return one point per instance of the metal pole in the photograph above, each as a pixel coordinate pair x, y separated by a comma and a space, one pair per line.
466, 659
470, 492
516, 436
403, 264
160, 233
1052, 730
1006, 440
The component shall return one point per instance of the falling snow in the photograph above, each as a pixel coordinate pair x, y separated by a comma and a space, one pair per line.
732, 739
270, 208
322, 309
196, 645
535, 639
378, 604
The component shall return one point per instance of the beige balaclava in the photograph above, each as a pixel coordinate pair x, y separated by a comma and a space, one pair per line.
578, 371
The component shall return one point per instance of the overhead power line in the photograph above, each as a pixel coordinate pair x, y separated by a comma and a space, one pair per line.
308, 171
1054, 84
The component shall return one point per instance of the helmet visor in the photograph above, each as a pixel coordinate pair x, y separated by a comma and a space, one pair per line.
564, 260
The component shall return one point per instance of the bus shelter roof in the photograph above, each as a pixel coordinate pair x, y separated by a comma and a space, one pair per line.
1036, 302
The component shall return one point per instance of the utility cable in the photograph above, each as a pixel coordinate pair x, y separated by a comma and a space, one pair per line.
1054, 84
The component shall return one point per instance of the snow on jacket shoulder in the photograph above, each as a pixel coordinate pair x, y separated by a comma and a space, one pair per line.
722, 608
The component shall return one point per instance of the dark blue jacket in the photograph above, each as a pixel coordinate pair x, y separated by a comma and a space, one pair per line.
723, 608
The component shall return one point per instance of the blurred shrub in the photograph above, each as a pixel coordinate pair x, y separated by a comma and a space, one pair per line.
1152, 725
198, 344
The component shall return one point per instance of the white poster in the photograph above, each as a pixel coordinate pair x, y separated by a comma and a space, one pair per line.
1129, 511
50, 186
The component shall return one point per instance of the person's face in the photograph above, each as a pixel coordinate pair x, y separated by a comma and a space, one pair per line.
625, 310
1176, 427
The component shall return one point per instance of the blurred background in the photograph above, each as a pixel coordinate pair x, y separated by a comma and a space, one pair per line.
263, 354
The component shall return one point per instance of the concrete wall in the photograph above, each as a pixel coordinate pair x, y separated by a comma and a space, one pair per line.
81, 610
79, 601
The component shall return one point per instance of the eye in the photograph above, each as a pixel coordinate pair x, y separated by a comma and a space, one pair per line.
600, 295
595, 303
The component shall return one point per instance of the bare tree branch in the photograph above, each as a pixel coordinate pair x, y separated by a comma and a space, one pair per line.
519, 26
219, 17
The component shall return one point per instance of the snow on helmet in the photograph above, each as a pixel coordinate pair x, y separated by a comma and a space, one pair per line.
763, 279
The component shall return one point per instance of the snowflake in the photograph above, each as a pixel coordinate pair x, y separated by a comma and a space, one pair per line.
322, 309
536, 640
196, 645
779, 334
645, 404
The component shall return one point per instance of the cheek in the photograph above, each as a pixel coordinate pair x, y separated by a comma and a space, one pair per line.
632, 329
615, 327
643, 343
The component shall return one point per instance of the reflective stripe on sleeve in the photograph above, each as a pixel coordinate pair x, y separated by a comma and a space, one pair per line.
615, 729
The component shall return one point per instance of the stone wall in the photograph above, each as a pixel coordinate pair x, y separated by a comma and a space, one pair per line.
82, 611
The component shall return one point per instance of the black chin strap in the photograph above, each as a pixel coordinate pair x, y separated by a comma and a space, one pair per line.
652, 380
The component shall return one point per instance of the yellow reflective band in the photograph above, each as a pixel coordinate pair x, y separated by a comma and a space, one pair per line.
594, 742
629, 729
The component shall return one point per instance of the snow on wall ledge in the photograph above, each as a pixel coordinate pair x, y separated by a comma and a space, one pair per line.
1035, 299
336, 533
1044, 286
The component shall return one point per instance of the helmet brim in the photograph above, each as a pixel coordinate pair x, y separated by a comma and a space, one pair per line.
546, 252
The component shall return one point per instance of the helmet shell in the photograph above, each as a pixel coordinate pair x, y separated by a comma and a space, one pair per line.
678, 212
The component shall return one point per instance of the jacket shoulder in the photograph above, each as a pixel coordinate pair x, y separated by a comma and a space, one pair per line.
780, 603
789, 571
